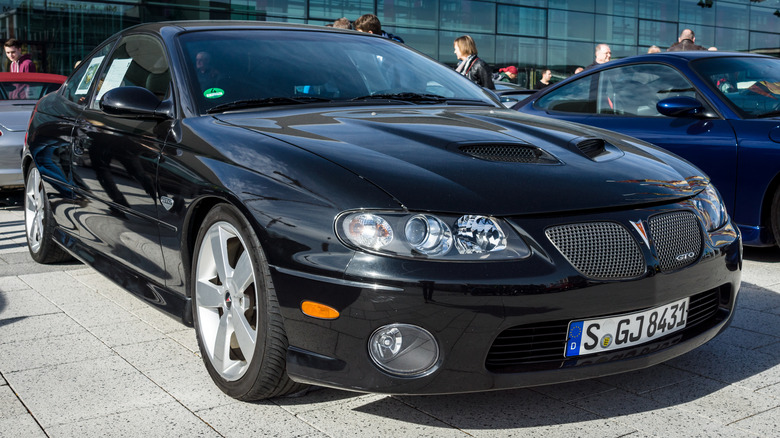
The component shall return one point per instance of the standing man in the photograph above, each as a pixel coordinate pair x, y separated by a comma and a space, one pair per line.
687, 41
369, 23
19, 63
544, 81
603, 54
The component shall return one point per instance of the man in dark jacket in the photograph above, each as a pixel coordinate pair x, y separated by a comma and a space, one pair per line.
687, 41
370, 23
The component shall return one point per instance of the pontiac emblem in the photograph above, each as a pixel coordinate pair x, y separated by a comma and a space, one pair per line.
166, 202
639, 226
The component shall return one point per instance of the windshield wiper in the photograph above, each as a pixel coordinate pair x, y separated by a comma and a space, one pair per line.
404, 97
269, 101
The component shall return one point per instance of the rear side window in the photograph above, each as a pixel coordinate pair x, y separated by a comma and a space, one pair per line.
574, 97
77, 88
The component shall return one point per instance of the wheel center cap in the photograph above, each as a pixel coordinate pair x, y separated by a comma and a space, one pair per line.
228, 300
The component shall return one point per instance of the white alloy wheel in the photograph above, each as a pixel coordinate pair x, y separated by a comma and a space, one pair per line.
226, 300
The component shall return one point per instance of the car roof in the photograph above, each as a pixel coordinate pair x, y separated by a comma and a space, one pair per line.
190, 25
683, 56
32, 77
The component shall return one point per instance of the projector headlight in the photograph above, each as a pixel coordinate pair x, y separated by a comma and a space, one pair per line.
424, 235
711, 208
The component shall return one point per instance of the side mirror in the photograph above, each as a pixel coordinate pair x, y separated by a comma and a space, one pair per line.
135, 102
680, 106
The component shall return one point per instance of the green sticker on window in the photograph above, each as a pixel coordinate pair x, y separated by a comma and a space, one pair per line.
213, 93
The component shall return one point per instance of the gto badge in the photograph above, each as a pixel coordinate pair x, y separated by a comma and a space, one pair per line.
166, 202
639, 226
685, 256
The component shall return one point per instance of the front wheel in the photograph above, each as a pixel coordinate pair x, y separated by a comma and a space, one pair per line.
236, 315
38, 222
775, 216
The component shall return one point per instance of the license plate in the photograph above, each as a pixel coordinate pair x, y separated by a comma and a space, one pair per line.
614, 332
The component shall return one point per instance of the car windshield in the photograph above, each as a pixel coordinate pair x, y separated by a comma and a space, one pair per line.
233, 69
25, 90
751, 85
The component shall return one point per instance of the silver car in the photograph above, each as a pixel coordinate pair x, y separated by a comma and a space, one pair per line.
19, 93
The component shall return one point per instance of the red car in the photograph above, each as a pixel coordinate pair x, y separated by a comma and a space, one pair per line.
18, 94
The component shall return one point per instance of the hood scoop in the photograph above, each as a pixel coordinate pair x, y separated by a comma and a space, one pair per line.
508, 153
597, 149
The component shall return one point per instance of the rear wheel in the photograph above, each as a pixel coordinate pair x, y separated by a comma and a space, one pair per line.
236, 315
38, 222
776, 217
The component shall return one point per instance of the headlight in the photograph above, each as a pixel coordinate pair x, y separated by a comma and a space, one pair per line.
711, 208
424, 235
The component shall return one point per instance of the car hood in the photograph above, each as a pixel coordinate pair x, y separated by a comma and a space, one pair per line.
463, 159
15, 116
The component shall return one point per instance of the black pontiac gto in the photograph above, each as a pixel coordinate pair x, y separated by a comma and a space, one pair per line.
333, 208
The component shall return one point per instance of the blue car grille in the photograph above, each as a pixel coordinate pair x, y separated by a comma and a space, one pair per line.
541, 346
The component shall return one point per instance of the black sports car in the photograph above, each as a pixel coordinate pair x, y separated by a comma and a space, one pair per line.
334, 208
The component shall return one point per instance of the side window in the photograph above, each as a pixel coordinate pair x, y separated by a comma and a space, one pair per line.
575, 97
635, 90
138, 60
77, 88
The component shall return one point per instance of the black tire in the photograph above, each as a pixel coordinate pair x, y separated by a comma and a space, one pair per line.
775, 217
220, 299
38, 222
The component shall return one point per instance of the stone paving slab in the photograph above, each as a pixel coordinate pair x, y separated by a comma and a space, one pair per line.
79, 357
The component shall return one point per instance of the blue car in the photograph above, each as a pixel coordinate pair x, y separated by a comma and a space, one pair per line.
719, 110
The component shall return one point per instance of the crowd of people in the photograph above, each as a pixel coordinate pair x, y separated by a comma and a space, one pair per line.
473, 67
469, 63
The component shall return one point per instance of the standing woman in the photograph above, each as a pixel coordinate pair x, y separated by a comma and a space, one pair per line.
471, 66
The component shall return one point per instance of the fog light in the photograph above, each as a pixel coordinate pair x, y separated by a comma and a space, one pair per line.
404, 350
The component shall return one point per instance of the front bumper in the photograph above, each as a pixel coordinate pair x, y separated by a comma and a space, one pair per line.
469, 307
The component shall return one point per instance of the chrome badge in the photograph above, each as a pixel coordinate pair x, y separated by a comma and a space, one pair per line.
166, 202
639, 226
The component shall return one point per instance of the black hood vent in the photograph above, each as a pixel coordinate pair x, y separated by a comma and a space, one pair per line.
508, 153
592, 147
596, 149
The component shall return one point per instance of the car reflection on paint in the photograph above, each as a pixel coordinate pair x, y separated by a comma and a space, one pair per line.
377, 224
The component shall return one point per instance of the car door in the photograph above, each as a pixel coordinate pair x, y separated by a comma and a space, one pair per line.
116, 160
52, 137
624, 99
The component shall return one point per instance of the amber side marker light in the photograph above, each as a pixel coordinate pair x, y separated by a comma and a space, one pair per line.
317, 310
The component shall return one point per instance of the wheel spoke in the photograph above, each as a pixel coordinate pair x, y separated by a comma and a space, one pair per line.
243, 275
208, 294
244, 333
221, 359
218, 240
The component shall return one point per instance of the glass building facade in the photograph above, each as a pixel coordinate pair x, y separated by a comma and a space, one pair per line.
530, 34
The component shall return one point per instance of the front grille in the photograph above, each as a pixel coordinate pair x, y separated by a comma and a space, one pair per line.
677, 239
599, 250
511, 153
541, 346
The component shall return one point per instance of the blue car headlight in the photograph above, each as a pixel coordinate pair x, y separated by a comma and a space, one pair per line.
711, 208
425, 235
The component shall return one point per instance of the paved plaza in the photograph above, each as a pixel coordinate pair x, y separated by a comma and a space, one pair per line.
79, 357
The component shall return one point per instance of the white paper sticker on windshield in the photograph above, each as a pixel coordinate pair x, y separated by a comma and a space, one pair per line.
86, 81
115, 76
